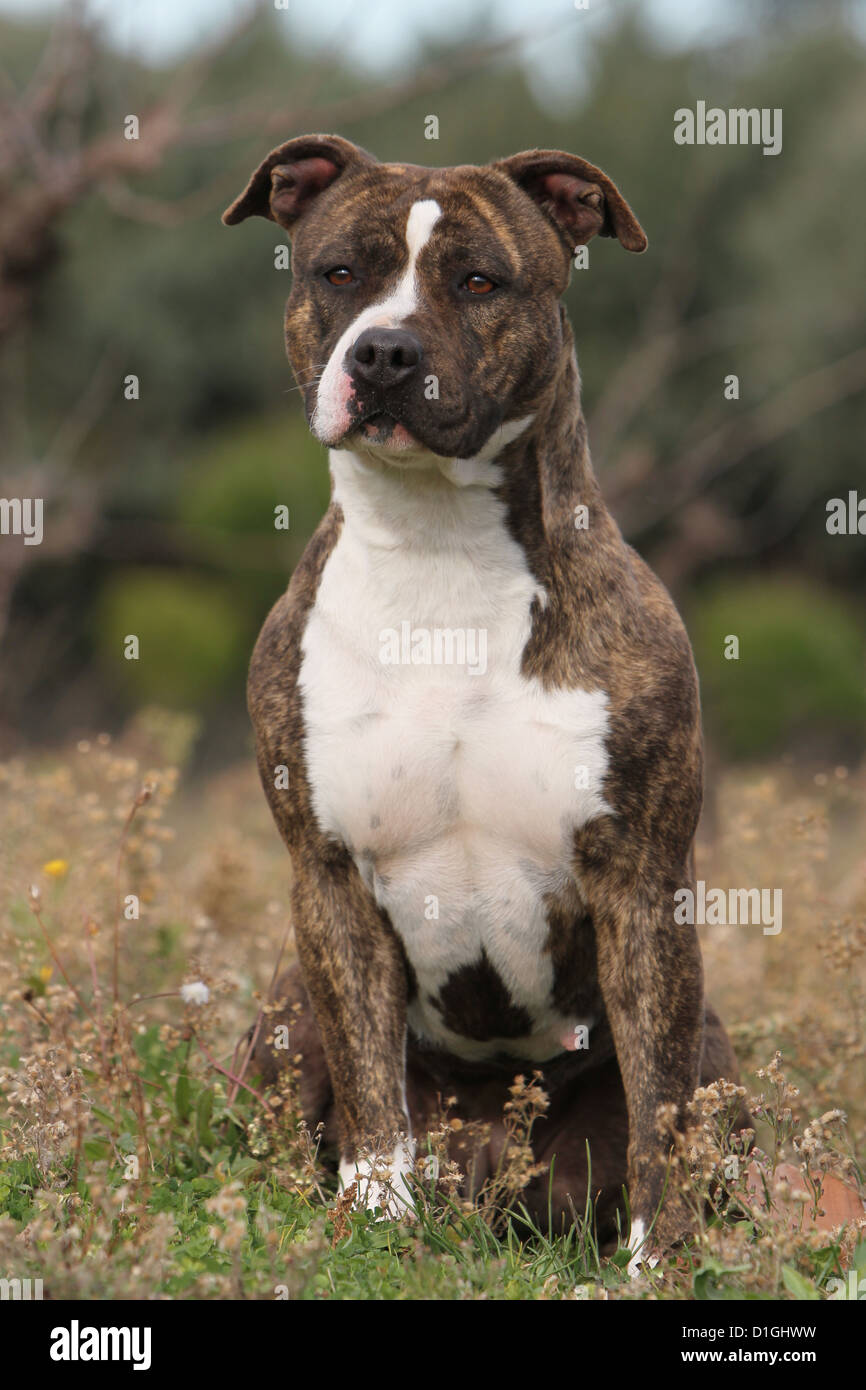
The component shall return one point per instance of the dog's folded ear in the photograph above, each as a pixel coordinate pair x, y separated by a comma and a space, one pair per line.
580, 199
293, 175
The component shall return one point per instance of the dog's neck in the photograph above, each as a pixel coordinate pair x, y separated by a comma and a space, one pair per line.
534, 473
548, 485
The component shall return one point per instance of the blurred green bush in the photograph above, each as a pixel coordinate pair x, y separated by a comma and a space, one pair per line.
190, 633
236, 480
197, 630
801, 672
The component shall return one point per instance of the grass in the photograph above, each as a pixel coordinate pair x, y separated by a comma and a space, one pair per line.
136, 1161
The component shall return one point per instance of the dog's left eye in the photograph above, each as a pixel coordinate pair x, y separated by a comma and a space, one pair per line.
340, 275
478, 284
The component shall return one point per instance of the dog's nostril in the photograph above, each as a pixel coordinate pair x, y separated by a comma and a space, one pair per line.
364, 352
404, 355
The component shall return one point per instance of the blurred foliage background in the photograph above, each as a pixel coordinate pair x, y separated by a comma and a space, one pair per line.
160, 511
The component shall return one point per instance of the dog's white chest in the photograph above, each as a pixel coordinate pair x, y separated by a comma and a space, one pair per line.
454, 781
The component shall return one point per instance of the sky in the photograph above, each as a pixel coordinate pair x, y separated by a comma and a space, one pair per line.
379, 34
383, 35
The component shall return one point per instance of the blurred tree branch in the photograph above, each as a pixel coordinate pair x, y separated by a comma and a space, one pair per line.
47, 166
74, 525
722, 449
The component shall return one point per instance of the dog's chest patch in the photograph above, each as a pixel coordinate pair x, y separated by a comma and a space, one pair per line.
455, 782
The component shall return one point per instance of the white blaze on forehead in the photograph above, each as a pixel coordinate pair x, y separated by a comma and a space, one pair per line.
331, 418
422, 219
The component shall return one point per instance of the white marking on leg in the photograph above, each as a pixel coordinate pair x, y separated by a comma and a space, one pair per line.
331, 417
381, 1180
640, 1257
636, 1240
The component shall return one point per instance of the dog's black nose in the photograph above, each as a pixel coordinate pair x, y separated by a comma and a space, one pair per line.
385, 356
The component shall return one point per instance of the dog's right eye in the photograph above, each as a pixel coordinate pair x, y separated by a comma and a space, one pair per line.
340, 275
476, 283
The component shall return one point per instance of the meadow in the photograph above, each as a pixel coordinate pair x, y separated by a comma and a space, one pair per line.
143, 913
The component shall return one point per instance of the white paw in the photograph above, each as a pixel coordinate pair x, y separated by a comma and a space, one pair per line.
639, 1257
381, 1180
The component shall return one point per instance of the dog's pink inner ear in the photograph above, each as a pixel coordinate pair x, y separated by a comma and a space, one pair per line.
293, 186
575, 203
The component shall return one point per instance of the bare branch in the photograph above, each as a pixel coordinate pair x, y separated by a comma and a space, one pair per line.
720, 452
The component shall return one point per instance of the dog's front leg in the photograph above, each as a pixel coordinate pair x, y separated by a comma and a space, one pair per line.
652, 983
355, 975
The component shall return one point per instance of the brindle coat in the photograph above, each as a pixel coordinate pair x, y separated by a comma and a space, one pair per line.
608, 624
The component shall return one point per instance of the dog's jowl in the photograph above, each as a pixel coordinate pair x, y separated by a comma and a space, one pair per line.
485, 700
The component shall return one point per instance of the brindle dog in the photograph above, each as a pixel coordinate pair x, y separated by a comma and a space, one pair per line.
484, 700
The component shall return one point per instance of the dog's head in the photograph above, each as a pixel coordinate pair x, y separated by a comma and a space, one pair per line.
424, 308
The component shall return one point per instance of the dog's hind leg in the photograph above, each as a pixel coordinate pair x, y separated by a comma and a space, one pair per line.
584, 1140
288, 1037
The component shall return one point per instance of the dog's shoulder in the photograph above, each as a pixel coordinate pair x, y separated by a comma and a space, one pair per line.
273, 695
663, 636
277, 654
654, 779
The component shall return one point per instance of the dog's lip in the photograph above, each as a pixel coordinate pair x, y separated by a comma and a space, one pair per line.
397, 435
378, 412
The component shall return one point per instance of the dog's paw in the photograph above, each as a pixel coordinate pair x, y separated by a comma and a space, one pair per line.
643, 1255
380, 1181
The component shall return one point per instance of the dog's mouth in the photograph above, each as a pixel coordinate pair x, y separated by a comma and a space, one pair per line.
385, 431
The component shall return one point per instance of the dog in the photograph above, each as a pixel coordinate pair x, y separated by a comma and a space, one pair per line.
476, 708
